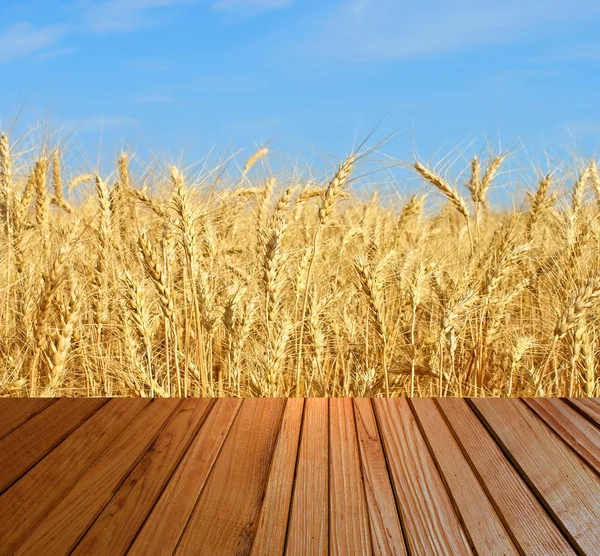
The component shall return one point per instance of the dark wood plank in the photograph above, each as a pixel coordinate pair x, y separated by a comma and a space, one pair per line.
348, 516
588, 407
30, 498
165, 524
28, 444
117, 525
62, 528
225, 518
274, 514
15, 411
531, 527
308, 530
386, 532
568, 487
574, 429
431, 525
480, 520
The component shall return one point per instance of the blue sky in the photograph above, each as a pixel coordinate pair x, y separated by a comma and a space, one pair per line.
188, 76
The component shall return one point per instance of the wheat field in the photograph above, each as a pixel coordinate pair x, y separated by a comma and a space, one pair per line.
234, 281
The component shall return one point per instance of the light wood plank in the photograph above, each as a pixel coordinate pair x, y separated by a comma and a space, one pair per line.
15, 411
308, 532
272, 525
481, 522
348, 517
574, 429
61, 529
531, 527
117, 525
590, 407
568, 487
28, 444
430, 523
225, 517
30, 498
386, 532
166, 522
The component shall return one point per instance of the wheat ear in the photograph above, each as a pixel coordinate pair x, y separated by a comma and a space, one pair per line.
371, 286
60, 349
332, 193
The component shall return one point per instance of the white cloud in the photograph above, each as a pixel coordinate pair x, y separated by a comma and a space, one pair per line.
367, 30
23, 39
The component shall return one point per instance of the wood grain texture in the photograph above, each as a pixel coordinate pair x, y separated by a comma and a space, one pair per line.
308, 530
165, 524
117, 525
349, 525
574, 429
315, 476
480, 520
274, 515
28, 444
62, 528
431, 525
226, 515
15, 411
568, 487
531, 527
386, 532
588, 407
28, 500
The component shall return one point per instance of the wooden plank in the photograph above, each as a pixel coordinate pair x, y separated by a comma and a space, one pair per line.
117, 525
569, 489
531, 527
165, 524
574, 429
589, 407
28, 444
349, 525
479, 518
272, 525
386, 532
225, 518
430, 524
15, 411
308, 530
62, 528
29, 499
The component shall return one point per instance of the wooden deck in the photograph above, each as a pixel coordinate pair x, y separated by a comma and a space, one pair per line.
274, 476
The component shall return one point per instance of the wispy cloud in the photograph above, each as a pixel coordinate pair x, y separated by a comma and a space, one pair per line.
585, 127
367, 30
152, 65
53, 53
126, 15
153, 99
523, 75
23, 39
98, 123
250, 5
267, 124
123, 15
